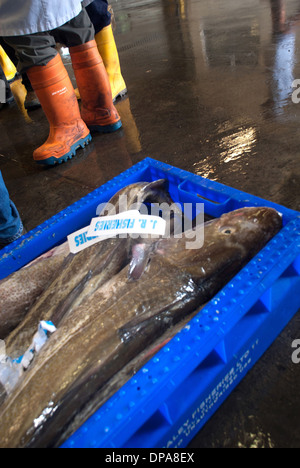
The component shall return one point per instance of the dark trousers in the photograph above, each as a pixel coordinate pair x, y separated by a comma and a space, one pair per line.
39, 48
99, 14
12, 55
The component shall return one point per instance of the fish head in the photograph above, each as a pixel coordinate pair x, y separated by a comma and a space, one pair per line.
250, 227
134, 195
229, 242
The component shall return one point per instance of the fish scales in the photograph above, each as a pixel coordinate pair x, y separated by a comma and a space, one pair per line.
119, 379
98, 263
53, 302
121, 318
70, 351
19, 291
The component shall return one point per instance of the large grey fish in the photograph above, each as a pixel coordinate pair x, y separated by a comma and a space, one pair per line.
120, 319
19, 291
83, 273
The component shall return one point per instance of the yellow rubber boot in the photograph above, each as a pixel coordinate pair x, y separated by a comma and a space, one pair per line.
7, 65
108, 50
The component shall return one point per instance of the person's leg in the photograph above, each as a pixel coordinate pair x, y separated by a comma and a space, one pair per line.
97, 108
32, 50
75, 32
31, 100
99, 14
101, 19
49, 78
11, 227
108, 50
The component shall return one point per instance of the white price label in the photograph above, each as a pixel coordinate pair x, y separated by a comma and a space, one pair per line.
80, 240
107, 227
130, 222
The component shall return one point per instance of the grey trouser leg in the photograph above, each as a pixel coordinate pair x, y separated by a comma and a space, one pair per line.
38, 49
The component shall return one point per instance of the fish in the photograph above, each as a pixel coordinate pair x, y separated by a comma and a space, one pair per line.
122, 376
20, 290
84, 272
121, 318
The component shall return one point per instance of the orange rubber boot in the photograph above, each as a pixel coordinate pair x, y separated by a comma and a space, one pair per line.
97, 108
68, 132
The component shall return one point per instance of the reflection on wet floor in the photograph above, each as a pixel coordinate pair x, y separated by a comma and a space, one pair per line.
237, 144
210, 88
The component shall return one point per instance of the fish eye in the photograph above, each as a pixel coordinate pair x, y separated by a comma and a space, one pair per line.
226, 230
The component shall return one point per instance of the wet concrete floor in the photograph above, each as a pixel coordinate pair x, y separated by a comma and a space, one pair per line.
210, 91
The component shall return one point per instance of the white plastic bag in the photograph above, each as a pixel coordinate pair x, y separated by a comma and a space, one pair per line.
11, 370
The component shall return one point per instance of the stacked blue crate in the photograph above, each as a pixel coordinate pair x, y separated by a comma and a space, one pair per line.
168, 401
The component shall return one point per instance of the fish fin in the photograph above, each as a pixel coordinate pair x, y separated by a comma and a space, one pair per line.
145, 327
156, 185
157, 192
141, 256
63, 307
155, 325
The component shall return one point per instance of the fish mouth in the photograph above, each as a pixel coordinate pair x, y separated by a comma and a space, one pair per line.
269, 218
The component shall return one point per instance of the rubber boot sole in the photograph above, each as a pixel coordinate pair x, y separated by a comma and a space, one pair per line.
120, 95
52, 161
105, 128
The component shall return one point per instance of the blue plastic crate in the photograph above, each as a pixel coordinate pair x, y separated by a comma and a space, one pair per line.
168, 401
